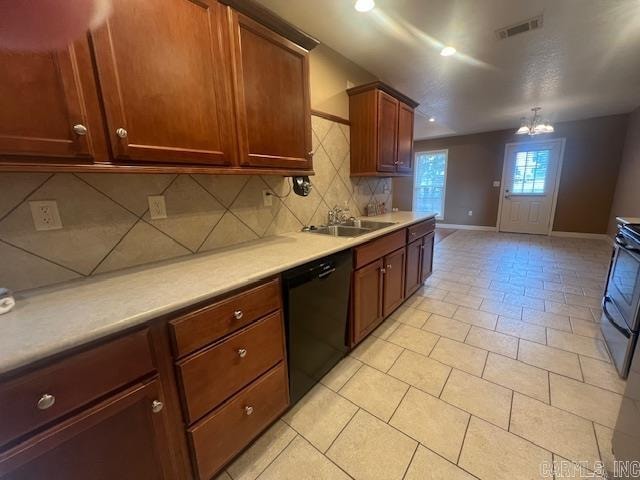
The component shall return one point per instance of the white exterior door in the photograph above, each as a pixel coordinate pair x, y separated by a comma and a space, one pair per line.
529, 182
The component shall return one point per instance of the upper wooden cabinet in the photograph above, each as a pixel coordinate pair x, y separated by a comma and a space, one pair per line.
49, 105
271, 78
164, 86
173, 85
381, 131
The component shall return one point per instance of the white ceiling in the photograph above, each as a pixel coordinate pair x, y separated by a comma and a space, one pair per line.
584, 61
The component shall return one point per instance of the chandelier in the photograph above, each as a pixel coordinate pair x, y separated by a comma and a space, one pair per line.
535, 126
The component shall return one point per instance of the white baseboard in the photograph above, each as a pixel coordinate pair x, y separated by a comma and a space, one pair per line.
466, 227
594, 236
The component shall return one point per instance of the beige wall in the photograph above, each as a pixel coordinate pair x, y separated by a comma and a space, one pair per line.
626, 201
592, 157
329, 73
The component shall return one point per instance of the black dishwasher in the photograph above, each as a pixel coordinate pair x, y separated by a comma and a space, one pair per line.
316, 305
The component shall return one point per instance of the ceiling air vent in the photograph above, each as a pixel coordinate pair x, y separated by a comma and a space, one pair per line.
520, 27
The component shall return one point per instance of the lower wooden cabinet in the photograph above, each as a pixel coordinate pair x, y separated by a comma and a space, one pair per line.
426, 267
123, 437
367, 300
393, 295
413, 277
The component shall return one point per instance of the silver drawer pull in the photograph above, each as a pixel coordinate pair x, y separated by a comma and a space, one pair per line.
242, 352
157, 406
80, 129
248, 410
46, 401
238, 314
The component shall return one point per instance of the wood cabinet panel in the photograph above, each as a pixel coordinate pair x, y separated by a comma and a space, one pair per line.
164, 81
378, 248
394, 271
419, 230
44, 95
405, 138
197, 329
413, 272
271, 78
427, 256
213, 375
217, 438
72, 382
367, 300
120, 438
387, 132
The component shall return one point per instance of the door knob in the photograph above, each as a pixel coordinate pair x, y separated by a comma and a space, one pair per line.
122, 133
80, 129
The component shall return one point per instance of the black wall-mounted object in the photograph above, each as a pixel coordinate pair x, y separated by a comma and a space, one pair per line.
301, 186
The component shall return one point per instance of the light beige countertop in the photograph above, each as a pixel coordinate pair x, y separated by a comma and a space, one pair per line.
51, 320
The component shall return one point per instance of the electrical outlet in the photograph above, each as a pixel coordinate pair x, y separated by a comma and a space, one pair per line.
496, 183
267, 198
157, 207
470, 213
45, 215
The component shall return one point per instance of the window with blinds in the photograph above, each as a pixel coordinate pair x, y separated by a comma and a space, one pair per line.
430, 182
530, 172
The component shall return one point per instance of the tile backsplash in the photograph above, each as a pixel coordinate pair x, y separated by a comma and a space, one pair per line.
107, 226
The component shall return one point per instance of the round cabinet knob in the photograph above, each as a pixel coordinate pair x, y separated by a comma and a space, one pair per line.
383, 270
122, 133
157, 406
238, 314
46, 401
248, 410
389, 267
242, 352
80, 129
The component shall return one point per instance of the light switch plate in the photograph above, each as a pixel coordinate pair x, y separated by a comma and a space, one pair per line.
496, 183
157, 207
45, 215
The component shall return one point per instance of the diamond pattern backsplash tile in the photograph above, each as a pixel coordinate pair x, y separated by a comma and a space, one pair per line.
107, 226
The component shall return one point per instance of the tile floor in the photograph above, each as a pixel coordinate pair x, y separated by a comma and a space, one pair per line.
495, 369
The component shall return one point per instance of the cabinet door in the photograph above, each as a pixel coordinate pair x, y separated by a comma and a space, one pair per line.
120, 438
394, 265
413, 271
387, 132
271, 78
367, 300
405, 138
49, 104
164, 83
427, 256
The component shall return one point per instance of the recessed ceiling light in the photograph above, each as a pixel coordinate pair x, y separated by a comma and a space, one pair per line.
432, 119
447, 51
364, 5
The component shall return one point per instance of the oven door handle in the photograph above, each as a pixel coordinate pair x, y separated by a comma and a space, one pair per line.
623, 331
619, 240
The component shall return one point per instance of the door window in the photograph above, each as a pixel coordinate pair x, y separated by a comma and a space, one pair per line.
530, 172
430, 182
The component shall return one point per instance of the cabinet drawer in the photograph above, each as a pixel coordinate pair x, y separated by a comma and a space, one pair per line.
202, 327
72, 382
378, 248
221, 435
420, 229
213, 375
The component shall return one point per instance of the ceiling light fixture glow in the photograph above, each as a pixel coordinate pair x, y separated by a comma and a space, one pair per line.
432, 119
448, 51
364, 5
535, 126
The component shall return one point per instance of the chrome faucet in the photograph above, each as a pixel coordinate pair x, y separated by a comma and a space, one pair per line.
338, 216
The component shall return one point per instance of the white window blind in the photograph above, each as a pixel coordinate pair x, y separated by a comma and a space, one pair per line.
530, 172
430, 182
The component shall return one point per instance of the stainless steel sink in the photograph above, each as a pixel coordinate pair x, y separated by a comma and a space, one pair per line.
341, 231
351, 229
